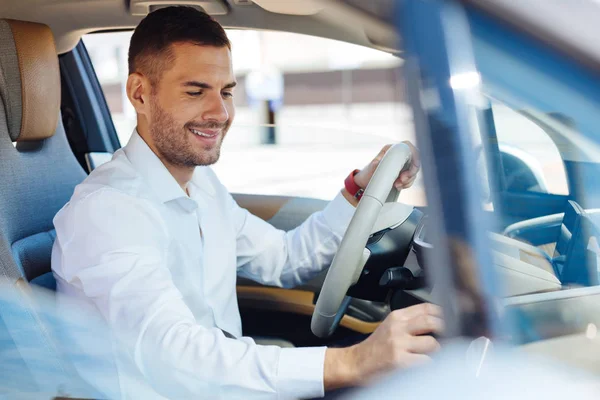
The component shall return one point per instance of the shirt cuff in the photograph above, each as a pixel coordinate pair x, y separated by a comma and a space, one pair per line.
338, 214
300, 373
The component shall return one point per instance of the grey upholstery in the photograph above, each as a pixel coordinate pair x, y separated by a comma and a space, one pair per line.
37, 177
38, 173
37, 180
32, 257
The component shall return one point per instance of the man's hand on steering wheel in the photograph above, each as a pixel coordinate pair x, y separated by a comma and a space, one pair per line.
405, 179
402, 340
399, 341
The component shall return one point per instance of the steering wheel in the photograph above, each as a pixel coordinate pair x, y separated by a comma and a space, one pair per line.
380, 196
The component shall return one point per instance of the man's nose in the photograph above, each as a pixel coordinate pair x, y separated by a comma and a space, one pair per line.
216, 109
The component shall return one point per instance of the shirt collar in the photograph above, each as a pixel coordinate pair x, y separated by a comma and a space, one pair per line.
202, 180
155, 173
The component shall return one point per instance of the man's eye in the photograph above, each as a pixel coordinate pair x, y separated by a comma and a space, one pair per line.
227, 95
194, 93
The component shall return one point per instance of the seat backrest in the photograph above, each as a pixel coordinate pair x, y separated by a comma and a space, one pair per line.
574, 258
569, 228
38, 171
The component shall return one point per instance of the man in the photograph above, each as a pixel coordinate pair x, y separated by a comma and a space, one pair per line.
153, 241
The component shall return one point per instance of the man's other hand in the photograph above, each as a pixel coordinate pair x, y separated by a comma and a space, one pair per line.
404, 180
402, 340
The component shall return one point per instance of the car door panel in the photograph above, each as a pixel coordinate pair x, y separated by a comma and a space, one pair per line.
293, 301
283, 212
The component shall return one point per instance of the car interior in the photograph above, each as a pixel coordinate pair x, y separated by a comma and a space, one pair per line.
55, 128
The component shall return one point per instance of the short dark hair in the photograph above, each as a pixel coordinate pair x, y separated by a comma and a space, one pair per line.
149, 49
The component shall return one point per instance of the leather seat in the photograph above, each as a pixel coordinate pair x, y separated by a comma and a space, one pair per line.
38, 171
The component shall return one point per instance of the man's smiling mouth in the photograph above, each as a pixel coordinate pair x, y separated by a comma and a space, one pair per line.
207, 133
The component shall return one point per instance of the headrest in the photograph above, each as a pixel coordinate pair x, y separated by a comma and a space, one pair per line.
29, 80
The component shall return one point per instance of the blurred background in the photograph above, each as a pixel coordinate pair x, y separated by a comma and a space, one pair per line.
309, 110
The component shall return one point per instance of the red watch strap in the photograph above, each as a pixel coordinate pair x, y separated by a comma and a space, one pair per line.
351, 186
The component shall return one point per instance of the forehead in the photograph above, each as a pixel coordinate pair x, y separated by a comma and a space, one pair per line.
192, 61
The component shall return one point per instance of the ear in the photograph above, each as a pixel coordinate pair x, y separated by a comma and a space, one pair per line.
138, 92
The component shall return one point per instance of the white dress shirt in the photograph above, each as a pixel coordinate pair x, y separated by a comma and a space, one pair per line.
160, 267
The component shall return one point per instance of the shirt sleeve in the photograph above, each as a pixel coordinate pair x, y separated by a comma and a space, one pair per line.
114, 249
274, 257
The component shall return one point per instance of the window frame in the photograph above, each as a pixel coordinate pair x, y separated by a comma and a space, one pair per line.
512, 206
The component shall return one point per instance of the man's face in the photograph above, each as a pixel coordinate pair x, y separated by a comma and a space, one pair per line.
191, 105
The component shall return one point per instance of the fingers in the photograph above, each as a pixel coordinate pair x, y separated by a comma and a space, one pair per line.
408, 177
384, 150
411, 312
405, 180
396, 342
423, 345
416, 158
425, 324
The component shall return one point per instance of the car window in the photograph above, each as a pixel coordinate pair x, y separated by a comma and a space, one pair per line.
546, 254
306, 114
559, 238
531, 160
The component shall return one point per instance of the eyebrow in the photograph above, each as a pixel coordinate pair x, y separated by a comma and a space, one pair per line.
203, 85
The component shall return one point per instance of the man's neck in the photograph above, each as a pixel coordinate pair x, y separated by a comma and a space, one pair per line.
183, 175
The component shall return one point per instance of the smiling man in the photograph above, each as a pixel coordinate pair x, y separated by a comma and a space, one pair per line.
153, 242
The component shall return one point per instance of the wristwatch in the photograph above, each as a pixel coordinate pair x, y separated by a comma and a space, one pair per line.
351, 186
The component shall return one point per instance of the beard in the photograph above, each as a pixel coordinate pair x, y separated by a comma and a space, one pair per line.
176, 144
